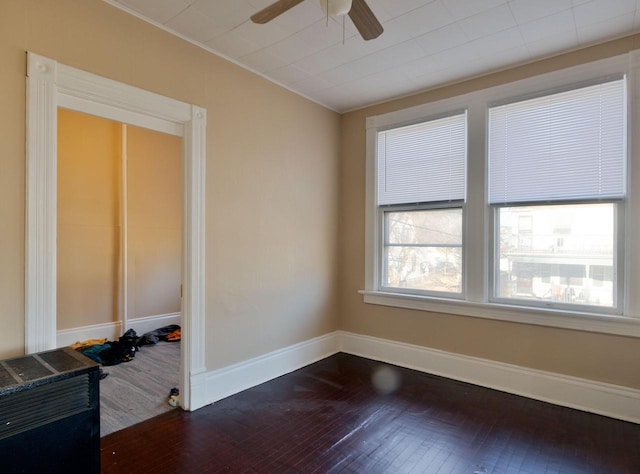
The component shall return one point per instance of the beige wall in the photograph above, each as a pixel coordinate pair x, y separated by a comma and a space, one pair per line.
88, 220
276, 173
272, 174
600, 357
90, 197
154, 222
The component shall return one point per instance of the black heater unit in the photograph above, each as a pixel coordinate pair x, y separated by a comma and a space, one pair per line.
49, 413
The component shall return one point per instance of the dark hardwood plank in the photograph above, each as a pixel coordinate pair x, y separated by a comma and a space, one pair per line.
328, 418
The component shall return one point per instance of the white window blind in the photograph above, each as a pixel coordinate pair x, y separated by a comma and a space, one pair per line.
565, 146
424, 162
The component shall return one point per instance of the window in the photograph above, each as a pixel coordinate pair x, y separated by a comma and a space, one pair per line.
423, 250
567, 147
515, 208
421, 188
557, 270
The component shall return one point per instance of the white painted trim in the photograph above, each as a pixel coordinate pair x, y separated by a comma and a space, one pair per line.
97, 95
112, 331
51, 85
41, 210
596, 397
605, 323
235, 378
124, 226
110, 112
587, 395
149, 323
193, 363
109, 331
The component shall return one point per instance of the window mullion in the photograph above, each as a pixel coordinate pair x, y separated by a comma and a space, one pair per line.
475, 228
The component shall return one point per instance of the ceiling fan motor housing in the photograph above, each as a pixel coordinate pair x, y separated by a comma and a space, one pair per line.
361, 15
336, 7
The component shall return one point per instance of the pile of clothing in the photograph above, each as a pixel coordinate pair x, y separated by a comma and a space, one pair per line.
124, 349
109, 352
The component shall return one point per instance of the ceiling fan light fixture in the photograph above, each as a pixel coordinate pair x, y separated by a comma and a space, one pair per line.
336, 7
361, 15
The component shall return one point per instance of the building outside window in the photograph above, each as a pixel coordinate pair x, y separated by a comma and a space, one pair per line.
540, 263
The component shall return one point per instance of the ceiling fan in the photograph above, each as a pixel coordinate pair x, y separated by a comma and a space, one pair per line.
359, 12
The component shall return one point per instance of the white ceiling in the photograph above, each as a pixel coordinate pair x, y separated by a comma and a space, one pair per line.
425, 43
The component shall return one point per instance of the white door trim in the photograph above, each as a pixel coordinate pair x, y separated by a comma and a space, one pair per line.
51, 85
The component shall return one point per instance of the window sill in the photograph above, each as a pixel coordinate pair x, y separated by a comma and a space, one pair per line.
600, 323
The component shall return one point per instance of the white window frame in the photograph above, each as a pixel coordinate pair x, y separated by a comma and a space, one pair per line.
477, 214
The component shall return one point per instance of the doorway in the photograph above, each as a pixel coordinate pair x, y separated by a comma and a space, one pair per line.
119, 227
51, 85
119, 258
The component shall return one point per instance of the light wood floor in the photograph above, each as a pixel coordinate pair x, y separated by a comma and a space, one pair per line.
138, 390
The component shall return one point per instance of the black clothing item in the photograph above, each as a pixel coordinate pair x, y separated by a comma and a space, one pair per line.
114, 352
117, 353
157, 335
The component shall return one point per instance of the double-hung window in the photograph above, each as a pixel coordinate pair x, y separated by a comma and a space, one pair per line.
557, 184
420, 196
511, 202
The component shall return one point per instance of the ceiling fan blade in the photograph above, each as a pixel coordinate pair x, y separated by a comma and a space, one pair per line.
274, 10
364, 20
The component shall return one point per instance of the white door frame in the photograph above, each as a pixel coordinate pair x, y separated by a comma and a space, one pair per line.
51, 85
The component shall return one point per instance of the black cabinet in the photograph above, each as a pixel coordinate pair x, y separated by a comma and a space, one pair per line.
49, 413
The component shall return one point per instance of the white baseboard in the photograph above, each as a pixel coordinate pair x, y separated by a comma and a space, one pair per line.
596, 397
235, 378
149, 323
112, 331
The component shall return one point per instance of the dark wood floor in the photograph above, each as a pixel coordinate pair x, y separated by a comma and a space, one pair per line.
329, 417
